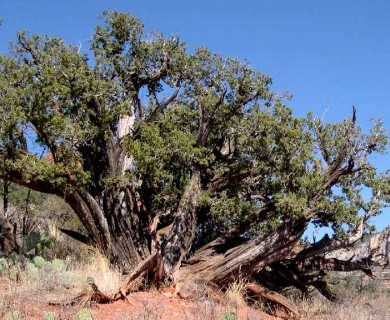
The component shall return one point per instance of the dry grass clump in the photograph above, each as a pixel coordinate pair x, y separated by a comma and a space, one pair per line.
38, 280
97, 266
362, 308
7, 297
360, 299
235, 293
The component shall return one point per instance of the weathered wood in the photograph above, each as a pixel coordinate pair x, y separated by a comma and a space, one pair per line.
147, 265
86, 297
76, 235
333, 264
221, 260
114, 224
176, 244
278, 299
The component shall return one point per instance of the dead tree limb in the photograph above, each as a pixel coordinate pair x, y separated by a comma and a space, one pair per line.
266, 294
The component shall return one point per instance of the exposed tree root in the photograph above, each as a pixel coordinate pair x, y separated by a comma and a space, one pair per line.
147, 265
86, 297
131, 283
196, 289
218, 263
266, 294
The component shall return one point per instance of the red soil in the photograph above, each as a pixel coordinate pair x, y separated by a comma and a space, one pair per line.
142, 305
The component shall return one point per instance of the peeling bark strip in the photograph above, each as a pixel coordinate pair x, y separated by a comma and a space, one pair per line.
125, 129
179, 239
223, 259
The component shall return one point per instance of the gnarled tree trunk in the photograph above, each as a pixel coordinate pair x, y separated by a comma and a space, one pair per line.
114, 224
171, 248
178, 241
9, 241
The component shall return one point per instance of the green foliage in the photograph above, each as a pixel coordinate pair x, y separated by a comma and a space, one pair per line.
59, 265
32, 271
49, 316
37, 241
233, 208
3, 265
20, 197
39, 262
228, 315
13, 315
83, 314
53, 274
144, 98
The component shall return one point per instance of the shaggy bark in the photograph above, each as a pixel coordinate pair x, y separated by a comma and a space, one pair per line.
9, 241
147, 265
114, 223
176, 244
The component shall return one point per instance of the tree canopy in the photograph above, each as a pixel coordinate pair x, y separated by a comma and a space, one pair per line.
141, 136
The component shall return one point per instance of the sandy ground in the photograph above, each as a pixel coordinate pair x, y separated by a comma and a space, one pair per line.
141, 305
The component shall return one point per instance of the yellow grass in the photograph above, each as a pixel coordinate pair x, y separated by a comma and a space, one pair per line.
97, 266
235, 293
353, 306
53, 285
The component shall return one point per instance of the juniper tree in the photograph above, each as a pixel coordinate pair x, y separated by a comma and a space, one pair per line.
184, 164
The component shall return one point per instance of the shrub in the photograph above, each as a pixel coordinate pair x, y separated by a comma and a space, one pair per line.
83, 314
3, 265
228, 315
59, 265
67, 279
13, 315
49, 316
235, 293
37, 242
39, 262
14, 273
31, 271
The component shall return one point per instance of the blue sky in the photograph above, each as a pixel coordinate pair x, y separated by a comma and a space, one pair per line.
329, 54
